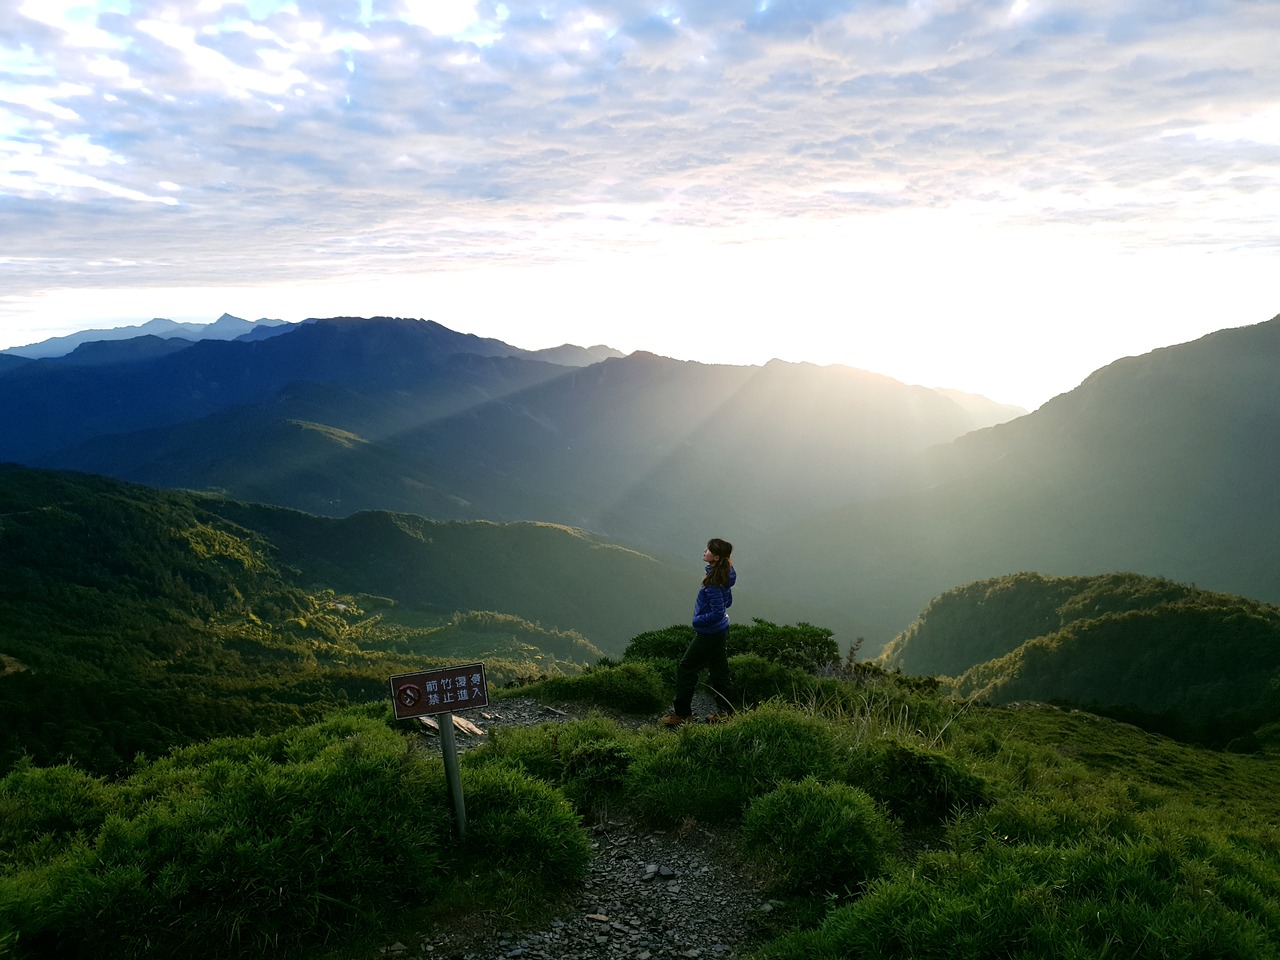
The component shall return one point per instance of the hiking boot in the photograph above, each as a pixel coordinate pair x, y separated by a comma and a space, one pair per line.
675, 720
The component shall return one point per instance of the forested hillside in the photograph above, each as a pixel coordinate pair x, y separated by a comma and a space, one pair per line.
1192, 663
132, 619
986, 619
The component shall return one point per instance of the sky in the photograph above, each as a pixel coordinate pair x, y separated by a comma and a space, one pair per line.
998, 197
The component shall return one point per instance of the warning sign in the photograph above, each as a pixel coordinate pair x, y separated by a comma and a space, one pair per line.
439, 691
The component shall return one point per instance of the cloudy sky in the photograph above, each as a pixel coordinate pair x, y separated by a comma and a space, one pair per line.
994, 196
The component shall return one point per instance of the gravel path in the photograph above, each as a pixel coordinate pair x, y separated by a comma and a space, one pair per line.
648, 895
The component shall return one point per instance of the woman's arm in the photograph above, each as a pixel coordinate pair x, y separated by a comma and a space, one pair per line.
710, 608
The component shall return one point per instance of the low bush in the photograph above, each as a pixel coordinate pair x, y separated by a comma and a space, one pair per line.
632, 687
920, 786
210, 855
44, 808
757, 680
815, 837
883, 705
802, 646
588, 759
523, 826
249, 845
711, 773
544, 751
669, 643
596, 772
1056, 903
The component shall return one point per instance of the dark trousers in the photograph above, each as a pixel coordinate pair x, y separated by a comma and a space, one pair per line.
707, 651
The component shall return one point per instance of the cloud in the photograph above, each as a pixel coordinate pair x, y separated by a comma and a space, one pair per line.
186, 143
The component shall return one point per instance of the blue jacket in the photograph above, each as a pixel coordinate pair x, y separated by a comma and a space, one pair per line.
711, 609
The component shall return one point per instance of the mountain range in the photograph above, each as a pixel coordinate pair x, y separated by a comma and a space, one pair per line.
179, 667
341, 415
226, 327
854, 496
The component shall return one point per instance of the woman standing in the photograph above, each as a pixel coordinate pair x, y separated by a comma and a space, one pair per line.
708, 649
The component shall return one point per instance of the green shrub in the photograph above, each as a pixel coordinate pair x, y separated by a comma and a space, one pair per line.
920, 786
803, 646
1055, 903
535, 750
711, 773
666, 644
587, 758
631, 687
543, 751
757, 680
884, 705
239, 853
523, 826
1032, 819
44, 808
816, 837
596, 771
765, 660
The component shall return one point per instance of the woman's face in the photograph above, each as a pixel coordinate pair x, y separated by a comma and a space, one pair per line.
708, 556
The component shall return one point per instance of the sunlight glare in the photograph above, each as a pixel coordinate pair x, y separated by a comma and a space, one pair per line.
445, 18
925, 297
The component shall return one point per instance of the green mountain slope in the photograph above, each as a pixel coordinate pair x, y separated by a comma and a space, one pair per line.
1170, 657
132, 619
546, 573
986, 619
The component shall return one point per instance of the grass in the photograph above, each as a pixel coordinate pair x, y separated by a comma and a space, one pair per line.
813, 836
894, 821
998, 832
246, 845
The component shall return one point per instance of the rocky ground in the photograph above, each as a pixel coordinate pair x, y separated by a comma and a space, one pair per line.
648, 896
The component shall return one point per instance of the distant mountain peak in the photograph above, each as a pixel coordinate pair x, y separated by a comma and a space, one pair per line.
226, 327
571, 355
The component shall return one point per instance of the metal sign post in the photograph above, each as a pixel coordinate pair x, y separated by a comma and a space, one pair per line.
452, 773
443, 691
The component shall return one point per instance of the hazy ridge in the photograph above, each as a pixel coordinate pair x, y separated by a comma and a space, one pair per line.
1161, 465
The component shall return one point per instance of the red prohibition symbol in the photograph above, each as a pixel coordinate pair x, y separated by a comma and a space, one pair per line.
409, 694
